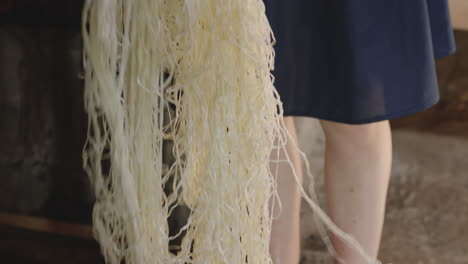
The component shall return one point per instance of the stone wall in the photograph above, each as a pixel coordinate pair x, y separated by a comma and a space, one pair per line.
42, 123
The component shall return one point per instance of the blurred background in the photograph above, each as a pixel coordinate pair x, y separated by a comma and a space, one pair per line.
46, 200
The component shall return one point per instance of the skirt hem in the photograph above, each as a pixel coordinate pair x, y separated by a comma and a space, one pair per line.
411, 110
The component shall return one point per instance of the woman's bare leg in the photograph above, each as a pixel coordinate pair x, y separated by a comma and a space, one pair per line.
285, 235
357, 171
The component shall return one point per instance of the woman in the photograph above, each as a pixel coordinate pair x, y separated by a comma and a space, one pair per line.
354, 65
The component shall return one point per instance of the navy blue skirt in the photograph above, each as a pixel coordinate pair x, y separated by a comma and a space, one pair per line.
358, 61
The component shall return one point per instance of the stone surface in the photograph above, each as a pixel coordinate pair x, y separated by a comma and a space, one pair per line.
42, 124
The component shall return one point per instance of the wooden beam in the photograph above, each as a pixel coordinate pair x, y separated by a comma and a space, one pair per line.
47, 225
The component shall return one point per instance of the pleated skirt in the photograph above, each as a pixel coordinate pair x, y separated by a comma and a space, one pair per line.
358, 61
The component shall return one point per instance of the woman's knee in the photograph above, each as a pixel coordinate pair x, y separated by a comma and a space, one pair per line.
356, 135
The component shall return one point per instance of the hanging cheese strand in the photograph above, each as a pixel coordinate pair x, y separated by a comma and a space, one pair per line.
212, 61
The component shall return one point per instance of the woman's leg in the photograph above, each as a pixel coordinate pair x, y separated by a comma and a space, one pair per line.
357, 171
285, 235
